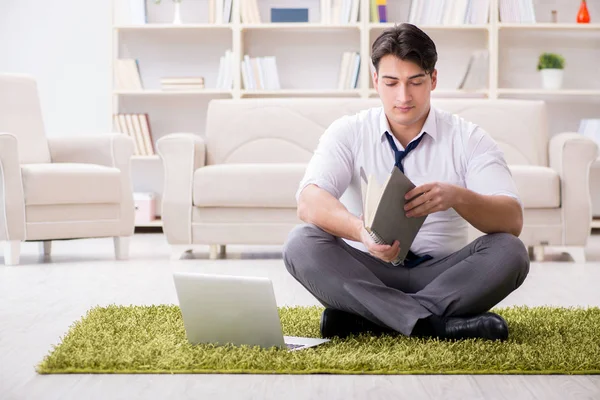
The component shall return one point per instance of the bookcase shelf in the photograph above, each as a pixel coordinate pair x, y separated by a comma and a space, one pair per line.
146, 158
151, 224
550, 95
382, 26
156, 26
550, 26
201, 92
482, 93
300, 26
308, 57
301, 92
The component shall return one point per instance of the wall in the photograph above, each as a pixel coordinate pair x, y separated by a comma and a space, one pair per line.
66, 45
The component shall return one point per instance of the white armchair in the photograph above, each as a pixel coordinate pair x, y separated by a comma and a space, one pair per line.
58, 188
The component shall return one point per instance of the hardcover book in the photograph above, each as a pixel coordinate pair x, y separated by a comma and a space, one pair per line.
384, 215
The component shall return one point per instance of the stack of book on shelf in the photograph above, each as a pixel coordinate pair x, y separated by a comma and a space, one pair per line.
339, 11
378, 10
219, 11
260, 73
249, 12
127, 74
182, 83
225, 77
476, 75
591, 129
517, 11
137, 126
349, 70
449, 12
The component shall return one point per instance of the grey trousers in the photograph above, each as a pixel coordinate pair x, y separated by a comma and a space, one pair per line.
467, 282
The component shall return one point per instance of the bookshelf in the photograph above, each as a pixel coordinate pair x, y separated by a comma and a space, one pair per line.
309, 54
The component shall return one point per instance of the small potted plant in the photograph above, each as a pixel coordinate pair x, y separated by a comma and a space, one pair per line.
551, 67
177, 15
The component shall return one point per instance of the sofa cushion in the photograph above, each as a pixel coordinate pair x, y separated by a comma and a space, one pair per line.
247, 185
539, 187
66, 183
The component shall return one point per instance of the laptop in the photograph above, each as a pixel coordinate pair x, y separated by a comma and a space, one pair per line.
236, 310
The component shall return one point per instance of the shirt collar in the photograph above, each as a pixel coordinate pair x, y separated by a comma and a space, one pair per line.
429, 127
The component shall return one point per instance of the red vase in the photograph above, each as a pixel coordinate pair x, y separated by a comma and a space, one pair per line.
583, 16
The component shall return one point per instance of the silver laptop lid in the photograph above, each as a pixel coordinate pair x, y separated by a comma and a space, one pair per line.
224, 309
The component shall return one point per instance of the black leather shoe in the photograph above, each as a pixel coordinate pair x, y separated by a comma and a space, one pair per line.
488, 326
342, 324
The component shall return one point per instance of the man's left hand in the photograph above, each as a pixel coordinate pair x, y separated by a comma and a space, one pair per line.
432, 197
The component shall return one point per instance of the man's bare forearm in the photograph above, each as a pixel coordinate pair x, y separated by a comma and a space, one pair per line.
490, 214
319, 207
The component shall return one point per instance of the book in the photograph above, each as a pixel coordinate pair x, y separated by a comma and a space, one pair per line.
260, 73
374, 11
185, 80
476, 74
170, 86
137, 126
384, 215
127, 74
382, 10
289, 14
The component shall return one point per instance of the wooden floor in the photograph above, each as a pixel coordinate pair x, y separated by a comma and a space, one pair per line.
40, 299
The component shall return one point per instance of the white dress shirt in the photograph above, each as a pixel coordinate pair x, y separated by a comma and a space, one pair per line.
453, 150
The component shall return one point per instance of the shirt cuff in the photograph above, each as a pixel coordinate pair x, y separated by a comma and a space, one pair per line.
321, 183
509, 194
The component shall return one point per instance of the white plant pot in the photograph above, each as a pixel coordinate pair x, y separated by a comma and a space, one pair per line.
552, 78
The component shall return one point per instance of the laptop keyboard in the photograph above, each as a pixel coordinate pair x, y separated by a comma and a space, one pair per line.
292, 346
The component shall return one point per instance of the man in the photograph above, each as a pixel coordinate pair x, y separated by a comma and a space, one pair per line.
446, 286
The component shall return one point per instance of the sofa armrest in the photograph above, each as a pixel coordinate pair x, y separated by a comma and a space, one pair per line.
570, 155
110, 150
182, 154
12, 200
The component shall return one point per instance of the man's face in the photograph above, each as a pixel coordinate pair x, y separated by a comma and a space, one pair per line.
404, 89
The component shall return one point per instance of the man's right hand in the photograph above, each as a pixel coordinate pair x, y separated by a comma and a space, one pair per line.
384, 252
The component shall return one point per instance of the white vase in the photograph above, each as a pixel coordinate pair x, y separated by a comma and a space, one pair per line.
552, 78
177, 16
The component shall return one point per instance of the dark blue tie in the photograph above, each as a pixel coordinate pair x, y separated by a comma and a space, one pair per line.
411, 260
401, 154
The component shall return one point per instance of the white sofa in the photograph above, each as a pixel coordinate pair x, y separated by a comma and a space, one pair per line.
237, 185
62, 187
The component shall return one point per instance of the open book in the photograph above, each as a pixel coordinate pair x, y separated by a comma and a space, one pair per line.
384, 215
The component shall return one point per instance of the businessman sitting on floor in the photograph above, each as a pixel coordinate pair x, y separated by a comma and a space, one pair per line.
446, 286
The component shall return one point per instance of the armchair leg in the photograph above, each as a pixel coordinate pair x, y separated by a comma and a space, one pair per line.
46, 248
12, 251
538, 253
214, 250
121, 247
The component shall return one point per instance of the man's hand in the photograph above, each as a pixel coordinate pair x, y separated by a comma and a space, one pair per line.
432, 197
382, 251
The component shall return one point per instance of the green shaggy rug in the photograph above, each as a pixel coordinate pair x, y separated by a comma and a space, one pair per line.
151, 339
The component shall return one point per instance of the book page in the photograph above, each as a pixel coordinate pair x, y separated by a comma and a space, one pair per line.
373, 197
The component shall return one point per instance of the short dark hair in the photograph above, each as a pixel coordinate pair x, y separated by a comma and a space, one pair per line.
408, 43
